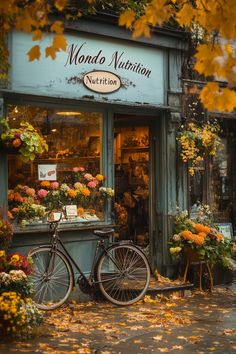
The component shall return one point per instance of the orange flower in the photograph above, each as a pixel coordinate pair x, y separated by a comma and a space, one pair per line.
10, 196
9, 215
187, 235
72, 193
202, 234
219, 237
202, 228
45, 184
198, 239
80, 211
15, 210
86, 192
18, 198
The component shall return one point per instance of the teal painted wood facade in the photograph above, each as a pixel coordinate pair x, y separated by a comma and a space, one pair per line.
158, 99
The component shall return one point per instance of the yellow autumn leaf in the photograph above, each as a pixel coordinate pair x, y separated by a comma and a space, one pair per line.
34, 53
205, 56
178, 347
185, 15
194, 339
37, 35
127, 18
158, 337
59, 42
215, 98
141, 28
50, 52
60, 4
57, 27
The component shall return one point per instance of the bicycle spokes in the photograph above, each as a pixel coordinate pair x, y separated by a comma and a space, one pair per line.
124, 274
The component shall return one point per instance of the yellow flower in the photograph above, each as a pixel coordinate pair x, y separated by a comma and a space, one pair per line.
99, 177
72, 193
14, 259
2, 253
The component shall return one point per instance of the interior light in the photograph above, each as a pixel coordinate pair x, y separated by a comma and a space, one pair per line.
16, 110
53, 130
65, 113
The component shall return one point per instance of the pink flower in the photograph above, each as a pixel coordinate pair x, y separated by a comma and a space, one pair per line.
42, 193
88, 176
54, 185
92, 184
78, 169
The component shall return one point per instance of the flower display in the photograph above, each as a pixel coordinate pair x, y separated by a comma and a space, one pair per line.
198, 141
82, 188
29, 211
15, 261
18, 315
16, 280
200, 239
26, 139
6, 233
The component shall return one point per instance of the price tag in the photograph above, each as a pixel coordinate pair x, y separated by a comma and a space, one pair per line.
71, 211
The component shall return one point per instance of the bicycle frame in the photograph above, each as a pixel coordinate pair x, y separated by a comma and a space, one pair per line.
99, 245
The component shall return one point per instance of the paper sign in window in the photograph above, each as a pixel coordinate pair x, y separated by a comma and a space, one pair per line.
47, 172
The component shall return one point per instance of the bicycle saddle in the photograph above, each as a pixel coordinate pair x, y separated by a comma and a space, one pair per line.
103, 232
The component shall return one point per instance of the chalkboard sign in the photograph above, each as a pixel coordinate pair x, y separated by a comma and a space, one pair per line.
225, 229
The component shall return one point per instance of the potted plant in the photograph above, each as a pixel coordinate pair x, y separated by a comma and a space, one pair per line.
25, 140
197, 141
195, 241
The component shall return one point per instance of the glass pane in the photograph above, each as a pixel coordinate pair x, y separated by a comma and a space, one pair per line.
223, 177
69, 173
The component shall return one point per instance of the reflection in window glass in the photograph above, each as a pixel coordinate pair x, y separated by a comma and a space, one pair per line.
69, 173
223, 177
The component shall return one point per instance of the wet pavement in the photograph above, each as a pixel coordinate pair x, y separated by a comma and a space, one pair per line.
198, 323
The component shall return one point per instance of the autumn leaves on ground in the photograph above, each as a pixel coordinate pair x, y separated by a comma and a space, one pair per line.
198, 323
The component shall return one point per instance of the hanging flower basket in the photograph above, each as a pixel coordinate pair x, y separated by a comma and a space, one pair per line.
24, 140
197, 141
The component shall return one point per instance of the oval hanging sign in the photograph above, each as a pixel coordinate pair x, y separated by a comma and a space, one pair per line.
102, 81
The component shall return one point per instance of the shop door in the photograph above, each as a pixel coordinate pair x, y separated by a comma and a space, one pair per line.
132, 179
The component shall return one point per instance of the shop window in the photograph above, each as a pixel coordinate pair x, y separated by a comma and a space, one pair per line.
197, 188
223, 177
66, 176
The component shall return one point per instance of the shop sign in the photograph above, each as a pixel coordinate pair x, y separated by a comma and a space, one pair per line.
102, 81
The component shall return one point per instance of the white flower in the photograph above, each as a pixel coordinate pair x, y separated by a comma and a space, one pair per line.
17, 275
5, 278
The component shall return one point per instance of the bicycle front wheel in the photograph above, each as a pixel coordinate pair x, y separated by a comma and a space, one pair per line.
52, 278
123, 274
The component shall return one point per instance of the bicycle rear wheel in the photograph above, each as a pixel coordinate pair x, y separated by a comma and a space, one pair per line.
52, 278
123, 274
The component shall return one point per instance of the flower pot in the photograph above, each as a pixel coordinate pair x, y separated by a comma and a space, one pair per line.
191, 256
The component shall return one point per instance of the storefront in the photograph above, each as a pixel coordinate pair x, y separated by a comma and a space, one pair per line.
108, 106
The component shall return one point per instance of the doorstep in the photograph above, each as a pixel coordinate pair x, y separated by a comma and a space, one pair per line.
168, 288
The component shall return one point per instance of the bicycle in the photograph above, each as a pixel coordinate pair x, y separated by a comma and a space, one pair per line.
120, 270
